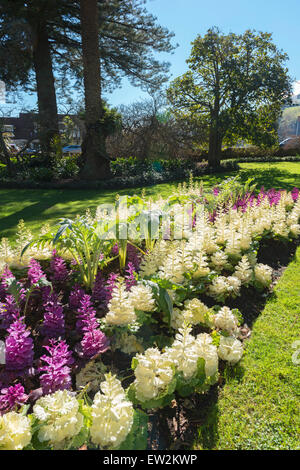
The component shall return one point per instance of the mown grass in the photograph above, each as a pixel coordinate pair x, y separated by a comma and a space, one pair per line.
37, 206
258, 408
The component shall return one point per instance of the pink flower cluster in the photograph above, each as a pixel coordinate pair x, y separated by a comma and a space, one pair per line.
94, 342
57, 370
18, 347
12, 397
54, 320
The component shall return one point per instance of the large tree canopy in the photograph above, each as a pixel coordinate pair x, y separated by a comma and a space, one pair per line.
235, 88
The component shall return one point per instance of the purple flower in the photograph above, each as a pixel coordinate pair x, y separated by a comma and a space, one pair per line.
18, 347
35, 272
54, 320
130, 277
86, 318
133, 256
57, 371
295, 194
12, 397
94, 342
99, 292
76, 296
59, 269
111, 284
8, 312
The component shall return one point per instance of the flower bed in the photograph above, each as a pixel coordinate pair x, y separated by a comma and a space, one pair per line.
113, 317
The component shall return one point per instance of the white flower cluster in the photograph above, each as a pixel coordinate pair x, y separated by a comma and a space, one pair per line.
10, 254
222, 287
153, 373
263, 274
174, 267
112, 414
154, 259
226, 320
141, 297
219, 261
230, 349
243, 271
120, 308
194, 312
186, 350
15, 431
59, 416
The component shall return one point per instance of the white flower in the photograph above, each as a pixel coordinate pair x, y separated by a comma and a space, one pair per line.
230, 349
15, 431
153, 374
208, 352
226, 320
234, 285
184, 352
177, 318
120, 308
141, 297
153, 260
224, 286
173, 268
263, 274
201, 266
218, 286
281, 229
219, 260
295, 229
59, 416
195, 312
243, 270
112, 414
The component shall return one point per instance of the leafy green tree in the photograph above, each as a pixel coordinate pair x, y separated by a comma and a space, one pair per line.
235, 88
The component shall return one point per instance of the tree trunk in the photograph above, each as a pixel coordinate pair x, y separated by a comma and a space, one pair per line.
5, 154
48, 119
215, 144
96, 162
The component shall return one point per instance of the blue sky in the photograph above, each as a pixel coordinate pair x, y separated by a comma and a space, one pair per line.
188, 18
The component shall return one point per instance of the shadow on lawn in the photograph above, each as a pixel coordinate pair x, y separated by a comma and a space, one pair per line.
271, 178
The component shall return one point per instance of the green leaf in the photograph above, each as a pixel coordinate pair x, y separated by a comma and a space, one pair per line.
37, 444
80, 439
137, 438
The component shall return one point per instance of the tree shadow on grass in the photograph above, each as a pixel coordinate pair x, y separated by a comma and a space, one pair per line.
36, 205
271, 178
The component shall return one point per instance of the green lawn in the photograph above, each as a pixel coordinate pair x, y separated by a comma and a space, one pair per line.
259, 407
37, 207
